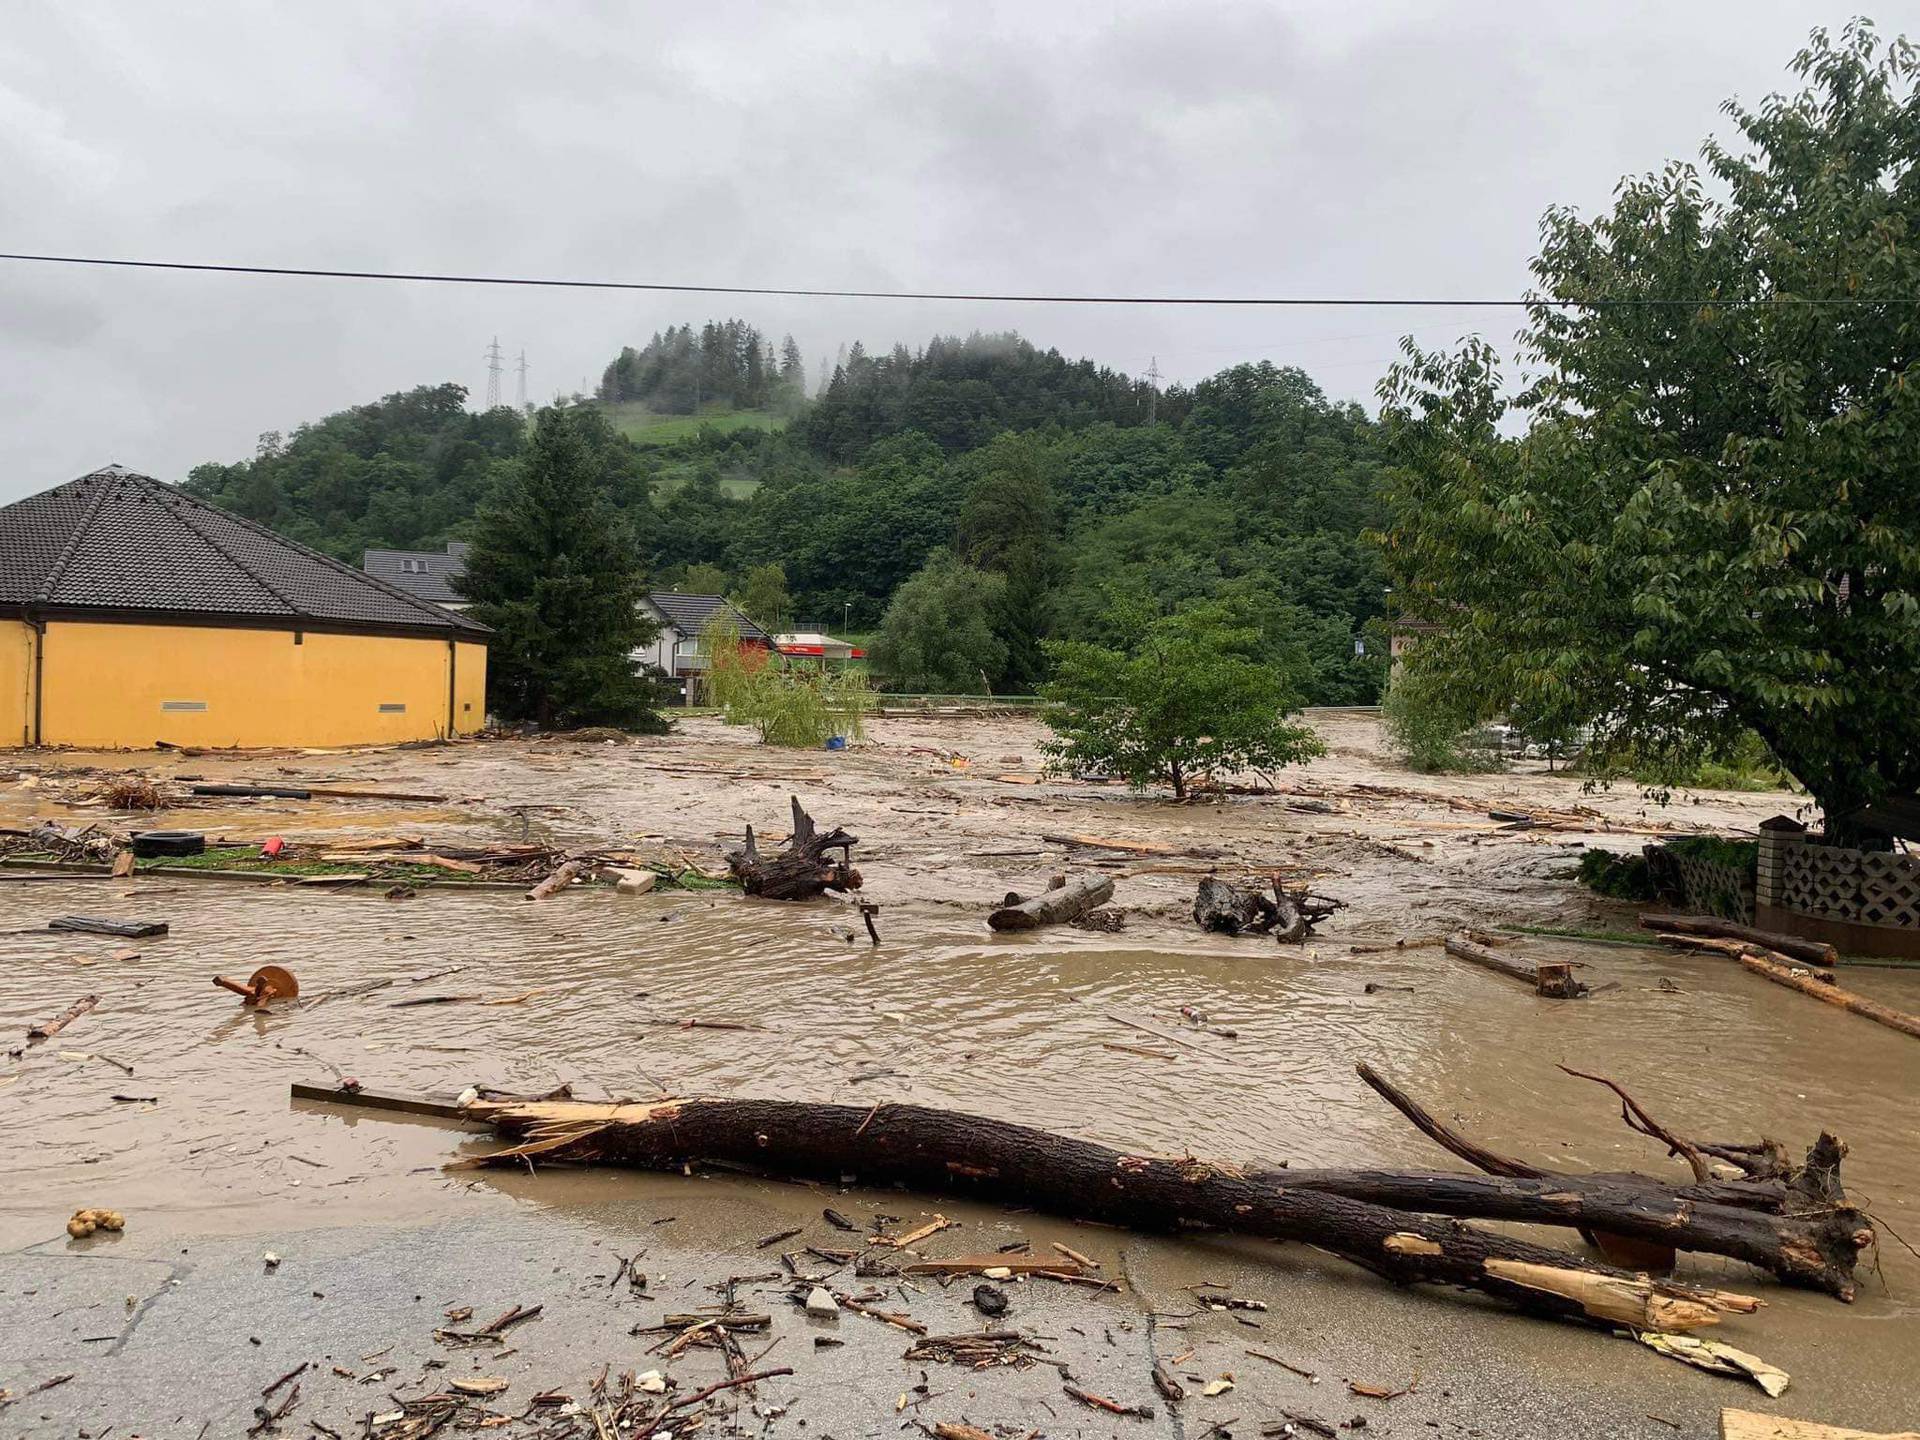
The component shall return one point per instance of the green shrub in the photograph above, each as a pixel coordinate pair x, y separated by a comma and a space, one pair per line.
1620, 877
1432, 731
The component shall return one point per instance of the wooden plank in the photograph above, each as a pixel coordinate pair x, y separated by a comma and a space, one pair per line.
365, 1099
94, 925
1752, 1425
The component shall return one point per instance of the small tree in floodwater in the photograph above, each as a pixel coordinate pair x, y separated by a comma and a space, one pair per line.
1195, 694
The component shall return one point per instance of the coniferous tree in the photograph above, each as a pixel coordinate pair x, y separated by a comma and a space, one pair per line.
554, 570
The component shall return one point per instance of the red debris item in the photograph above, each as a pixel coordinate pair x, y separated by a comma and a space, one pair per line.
271, 850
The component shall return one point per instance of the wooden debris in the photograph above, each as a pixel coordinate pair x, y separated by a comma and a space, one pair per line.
124, 929
568, 872
1812, 952
1553, 980
912, 1237
935, 1150
807, 866
47, 1029
979, 1264
1101, 1402
1752, 1425
1289, 916
1782, 971
1062, 903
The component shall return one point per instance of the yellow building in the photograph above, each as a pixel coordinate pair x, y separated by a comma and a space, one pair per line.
133, 614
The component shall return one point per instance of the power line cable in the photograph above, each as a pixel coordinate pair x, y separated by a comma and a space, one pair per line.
804, 292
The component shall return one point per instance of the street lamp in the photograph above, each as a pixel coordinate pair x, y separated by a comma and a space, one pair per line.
846, 619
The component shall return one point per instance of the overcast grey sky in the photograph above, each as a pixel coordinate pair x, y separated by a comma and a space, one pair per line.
1317, 147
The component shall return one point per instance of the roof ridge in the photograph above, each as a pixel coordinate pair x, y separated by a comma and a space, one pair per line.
184, 515
426, 607
72, 547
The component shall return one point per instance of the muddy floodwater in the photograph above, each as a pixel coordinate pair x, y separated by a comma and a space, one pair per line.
1087, 1034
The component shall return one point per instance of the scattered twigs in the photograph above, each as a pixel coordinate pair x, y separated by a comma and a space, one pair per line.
1101, 1402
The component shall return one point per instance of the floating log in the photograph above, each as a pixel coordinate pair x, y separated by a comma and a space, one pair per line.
805, 869
47, 1029
1781, 971
936, 1150
1813, 952
125, 929
1553, 980
568, 872
1063, 902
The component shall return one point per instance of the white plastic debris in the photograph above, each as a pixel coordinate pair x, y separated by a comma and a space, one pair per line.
653, 1382
466, 1097
997, 1272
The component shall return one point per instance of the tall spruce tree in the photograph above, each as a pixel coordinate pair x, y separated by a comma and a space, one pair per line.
555, 572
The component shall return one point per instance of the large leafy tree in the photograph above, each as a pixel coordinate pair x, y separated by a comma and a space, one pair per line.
1711, 521
937, 636
1196, 693
554, 570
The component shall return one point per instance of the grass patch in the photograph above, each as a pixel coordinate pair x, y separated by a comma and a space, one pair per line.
644, 427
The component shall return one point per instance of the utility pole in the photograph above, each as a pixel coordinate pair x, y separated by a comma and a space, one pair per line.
522, 388
1153, 389
493, 374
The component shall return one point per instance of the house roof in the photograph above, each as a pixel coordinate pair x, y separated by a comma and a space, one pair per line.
428, 574
689, 613
119, 544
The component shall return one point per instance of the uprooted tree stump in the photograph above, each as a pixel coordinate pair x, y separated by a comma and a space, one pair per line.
805, 868
938, 1150
1228, 909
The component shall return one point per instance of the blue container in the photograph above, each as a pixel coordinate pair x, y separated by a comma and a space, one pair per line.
836, 742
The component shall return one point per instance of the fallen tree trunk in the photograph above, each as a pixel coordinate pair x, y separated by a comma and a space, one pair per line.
1063, 902
1551, 979
1813, 952
1779, 970
1813, 1252
936, 1150
803, 870
1815, 1243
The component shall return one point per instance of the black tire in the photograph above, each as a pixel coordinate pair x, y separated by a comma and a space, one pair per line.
150, 844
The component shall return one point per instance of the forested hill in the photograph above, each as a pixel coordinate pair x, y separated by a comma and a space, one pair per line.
962, 393
406, 471
1079, 500
728, 362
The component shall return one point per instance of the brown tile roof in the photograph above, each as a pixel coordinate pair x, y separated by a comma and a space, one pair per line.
119, 542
